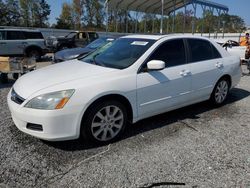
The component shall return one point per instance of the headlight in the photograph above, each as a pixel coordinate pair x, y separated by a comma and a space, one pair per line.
55, 42
50, 101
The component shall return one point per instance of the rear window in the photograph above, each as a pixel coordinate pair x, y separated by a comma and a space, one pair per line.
33, 35
202, 50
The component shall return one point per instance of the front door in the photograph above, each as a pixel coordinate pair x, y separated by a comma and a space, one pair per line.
160, 91
16, 42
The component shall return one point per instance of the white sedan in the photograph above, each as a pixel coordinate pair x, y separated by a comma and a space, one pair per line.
134, 78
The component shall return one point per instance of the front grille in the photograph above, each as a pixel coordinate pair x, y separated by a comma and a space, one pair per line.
34, 127
16, 98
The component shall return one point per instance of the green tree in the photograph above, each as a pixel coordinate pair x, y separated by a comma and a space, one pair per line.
65, 20
233, 23
13, 14
78, 8
25, 7
98, 12
3, 13
40, 13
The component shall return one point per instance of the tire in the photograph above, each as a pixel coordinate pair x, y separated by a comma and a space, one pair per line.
220, 92
15, 76
99, 127
34, 53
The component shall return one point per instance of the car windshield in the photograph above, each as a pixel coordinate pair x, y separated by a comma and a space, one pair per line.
120, 54
99, 43
70, 35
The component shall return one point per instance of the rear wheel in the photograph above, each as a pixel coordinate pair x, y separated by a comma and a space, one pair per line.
220, 92
15, 76
105, 122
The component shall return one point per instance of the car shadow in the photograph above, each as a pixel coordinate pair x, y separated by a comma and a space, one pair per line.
7, 85
156, 122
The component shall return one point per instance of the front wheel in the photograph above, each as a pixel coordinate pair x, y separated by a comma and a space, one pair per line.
34, 54
105, 122
220, 92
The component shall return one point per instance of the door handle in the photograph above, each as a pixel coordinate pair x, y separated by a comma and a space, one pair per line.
24, 43
185, 73
2, 42
219, 65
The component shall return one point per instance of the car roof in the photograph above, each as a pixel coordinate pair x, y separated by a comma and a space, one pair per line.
170, 36
26, 30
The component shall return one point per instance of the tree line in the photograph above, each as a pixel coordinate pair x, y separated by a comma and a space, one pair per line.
91, 15
25, 13
81, 14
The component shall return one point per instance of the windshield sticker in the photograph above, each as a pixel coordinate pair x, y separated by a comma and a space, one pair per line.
140, 43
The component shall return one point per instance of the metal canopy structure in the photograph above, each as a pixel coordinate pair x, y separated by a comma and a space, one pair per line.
164, 7
155, 6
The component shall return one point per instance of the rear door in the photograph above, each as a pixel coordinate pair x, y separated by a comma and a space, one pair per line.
3, 43
16, 42
206, 65
159, 91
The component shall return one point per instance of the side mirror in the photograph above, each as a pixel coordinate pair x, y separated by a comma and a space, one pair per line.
156, 65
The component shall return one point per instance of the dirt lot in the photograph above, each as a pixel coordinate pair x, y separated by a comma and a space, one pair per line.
198, 146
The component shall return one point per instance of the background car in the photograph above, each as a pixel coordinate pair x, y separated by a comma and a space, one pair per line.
234, 48
72, 40
74, 53
16, 42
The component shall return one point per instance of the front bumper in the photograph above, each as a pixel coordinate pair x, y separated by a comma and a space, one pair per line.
57, 125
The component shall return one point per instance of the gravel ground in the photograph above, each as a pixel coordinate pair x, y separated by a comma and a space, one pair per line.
198, 146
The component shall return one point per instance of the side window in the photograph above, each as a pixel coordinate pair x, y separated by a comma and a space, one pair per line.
171, 52
82, 36
216, 53
15, 35
200, 50
2, 35
93, 36
33, 35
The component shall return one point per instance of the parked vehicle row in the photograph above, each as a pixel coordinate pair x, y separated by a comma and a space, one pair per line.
69, 54
15, 42
31, 43
71, 40
133, 78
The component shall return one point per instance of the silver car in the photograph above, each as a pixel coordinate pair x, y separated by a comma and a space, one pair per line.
16, 42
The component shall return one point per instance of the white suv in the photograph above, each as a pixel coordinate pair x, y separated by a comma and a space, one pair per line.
16, 42
131, 79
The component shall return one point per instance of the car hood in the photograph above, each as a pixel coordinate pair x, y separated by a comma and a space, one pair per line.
56, 74
68, 53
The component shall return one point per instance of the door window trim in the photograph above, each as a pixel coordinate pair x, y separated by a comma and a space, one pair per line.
190, 53
140, 70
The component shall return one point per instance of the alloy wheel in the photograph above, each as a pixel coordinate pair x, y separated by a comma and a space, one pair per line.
107, 123
221, 91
